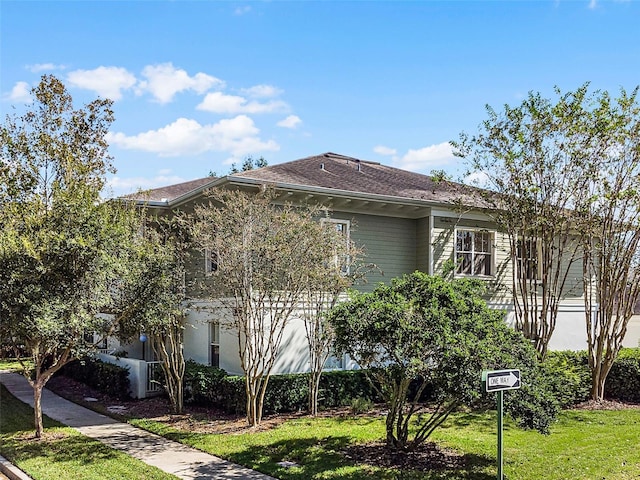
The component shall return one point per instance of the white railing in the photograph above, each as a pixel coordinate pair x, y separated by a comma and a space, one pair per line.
153, 373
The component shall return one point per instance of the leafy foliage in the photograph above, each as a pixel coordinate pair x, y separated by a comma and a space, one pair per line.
265, 255
441, 335
104, 377
62, 250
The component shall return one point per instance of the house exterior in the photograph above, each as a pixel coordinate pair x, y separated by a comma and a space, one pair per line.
405, 221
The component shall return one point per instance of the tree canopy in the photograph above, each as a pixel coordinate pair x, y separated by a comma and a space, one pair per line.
424, 337
62, 250
261, 256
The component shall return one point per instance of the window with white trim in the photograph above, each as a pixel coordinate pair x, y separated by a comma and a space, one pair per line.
214, 343
474, 252
527, 258
343, 228
211, 260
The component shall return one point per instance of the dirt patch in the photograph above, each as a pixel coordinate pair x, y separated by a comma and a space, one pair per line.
427, 456
605, 405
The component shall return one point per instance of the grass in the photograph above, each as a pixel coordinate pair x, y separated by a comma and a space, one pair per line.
63, 452
13, 365
582, 445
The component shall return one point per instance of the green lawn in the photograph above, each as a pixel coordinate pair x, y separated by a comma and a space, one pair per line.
12, 364
583, 445
63, 453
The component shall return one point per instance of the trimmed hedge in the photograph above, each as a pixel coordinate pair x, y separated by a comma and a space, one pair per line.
569, 377
285, 393
104, 377
623, 381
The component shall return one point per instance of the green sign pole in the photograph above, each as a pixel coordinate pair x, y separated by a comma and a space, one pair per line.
500, 399
498, 381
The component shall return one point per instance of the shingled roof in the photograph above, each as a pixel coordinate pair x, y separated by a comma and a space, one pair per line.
343, 173
170, 192
333, 172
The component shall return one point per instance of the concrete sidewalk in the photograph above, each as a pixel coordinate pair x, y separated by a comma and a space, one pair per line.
172, 457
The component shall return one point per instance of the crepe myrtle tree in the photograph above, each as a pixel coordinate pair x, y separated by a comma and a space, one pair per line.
531, 158
62, 250
151, 299
325, 286
424, 337
608, 212
263, 255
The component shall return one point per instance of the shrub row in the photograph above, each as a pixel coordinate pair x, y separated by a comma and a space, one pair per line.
285, 393
569, 377
104, 377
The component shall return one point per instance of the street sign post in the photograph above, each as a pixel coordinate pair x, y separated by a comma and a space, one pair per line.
498, 381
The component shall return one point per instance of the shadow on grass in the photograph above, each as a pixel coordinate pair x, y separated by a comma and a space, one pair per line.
60, 449
325, 458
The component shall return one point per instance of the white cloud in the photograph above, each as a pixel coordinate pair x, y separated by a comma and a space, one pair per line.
21, 92
108, 82
478, 179
262, 91
428, 157
218, 102
382, 150
237, 136
593, 4
163, 81
44, 67
292, 121
242, 10
117, 186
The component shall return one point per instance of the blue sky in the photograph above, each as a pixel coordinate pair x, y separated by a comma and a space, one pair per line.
199, 85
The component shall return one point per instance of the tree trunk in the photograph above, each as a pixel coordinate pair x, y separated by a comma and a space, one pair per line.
314, 387
597, 385
37, 407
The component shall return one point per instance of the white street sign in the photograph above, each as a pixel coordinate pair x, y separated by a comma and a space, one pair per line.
498, 380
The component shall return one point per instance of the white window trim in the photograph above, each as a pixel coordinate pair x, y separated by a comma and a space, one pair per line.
492, 252
538, 243
347, 223
214, 327
207, 262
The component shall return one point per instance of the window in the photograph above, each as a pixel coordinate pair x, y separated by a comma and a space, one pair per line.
527, 259
214, 342
474, 252
210, 261
343, 228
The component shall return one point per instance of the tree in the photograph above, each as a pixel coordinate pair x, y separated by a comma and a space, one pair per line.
262, 256
62, 250
151, 300
324, 287
423, 336
527, 157
609, 223
249, 163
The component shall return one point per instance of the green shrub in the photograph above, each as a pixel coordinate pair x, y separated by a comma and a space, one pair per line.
360, 405
623, 381
104, 377
285, 393
568, 377
202, 382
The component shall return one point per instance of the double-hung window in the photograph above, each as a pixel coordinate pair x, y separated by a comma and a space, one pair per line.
211, 260
527, 259
342, 227
214, 342
474, 252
